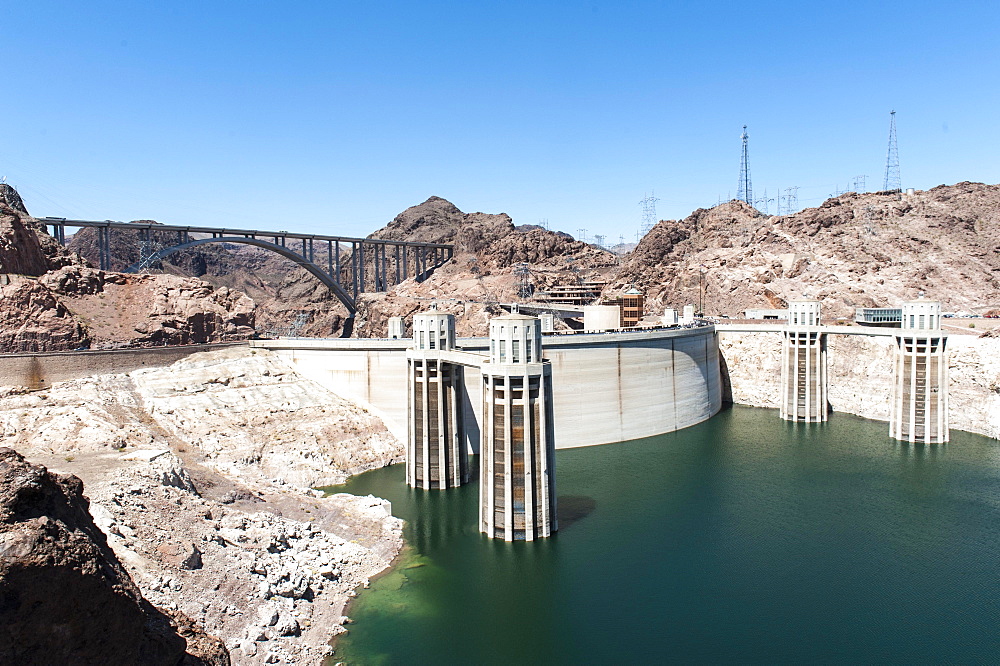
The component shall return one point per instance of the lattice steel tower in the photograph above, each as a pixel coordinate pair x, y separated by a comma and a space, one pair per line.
648, 204
745, 190
892, 182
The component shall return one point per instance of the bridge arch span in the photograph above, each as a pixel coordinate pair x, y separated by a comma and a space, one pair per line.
313, 269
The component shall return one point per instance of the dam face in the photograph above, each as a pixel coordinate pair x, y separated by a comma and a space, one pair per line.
606, 387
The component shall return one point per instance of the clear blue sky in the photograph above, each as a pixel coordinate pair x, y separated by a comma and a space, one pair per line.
332, 117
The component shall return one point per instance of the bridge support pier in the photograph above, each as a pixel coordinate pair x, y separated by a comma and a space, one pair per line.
436, 457
804, 383
920, 377
517, 462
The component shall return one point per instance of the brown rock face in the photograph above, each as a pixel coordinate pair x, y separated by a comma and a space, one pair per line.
152, 309
20, 250
64, 596
494, 239
77, 306
854, 250
25, 248
35, 319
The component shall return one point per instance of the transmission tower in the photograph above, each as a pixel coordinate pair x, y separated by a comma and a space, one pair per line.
489, 300
892, 182
295, 330
859, 184
762, 204
648, 204
147, 254
791, 199
581, 235
745, 190
523, 274
599, 239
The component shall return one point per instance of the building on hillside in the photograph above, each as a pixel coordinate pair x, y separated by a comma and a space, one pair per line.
632, 303
584, 293
887, 317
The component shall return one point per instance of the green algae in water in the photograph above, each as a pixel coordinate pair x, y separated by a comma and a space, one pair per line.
743, 539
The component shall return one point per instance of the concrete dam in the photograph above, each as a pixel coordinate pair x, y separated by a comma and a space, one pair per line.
513, 400
606, 387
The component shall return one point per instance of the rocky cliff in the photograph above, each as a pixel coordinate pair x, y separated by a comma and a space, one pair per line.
77, 306
854, 250
64, 595
25, 248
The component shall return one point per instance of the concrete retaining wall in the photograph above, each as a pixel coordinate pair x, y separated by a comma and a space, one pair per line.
609, 387
36, 371
860, 374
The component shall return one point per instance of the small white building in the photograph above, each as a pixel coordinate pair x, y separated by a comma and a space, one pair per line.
601, 317
397, 328
804, 313
766, 313
921, 315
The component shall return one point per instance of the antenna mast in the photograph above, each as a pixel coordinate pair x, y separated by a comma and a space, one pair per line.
745, 190
892, 182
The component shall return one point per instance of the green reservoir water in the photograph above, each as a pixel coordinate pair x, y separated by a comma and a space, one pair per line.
744, 539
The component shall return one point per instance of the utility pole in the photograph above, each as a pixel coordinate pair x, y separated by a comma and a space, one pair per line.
745, 190
892, 182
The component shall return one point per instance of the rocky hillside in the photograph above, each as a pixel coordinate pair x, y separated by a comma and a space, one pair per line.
25, 248
66, 596
488, 251
51, 300
491, 238
854, 250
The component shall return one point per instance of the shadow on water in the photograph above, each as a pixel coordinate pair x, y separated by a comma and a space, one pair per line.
574, 508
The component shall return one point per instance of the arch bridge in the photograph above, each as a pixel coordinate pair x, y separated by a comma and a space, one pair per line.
347, 266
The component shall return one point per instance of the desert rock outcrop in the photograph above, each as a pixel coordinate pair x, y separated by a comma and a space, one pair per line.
66, 597
854, 250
